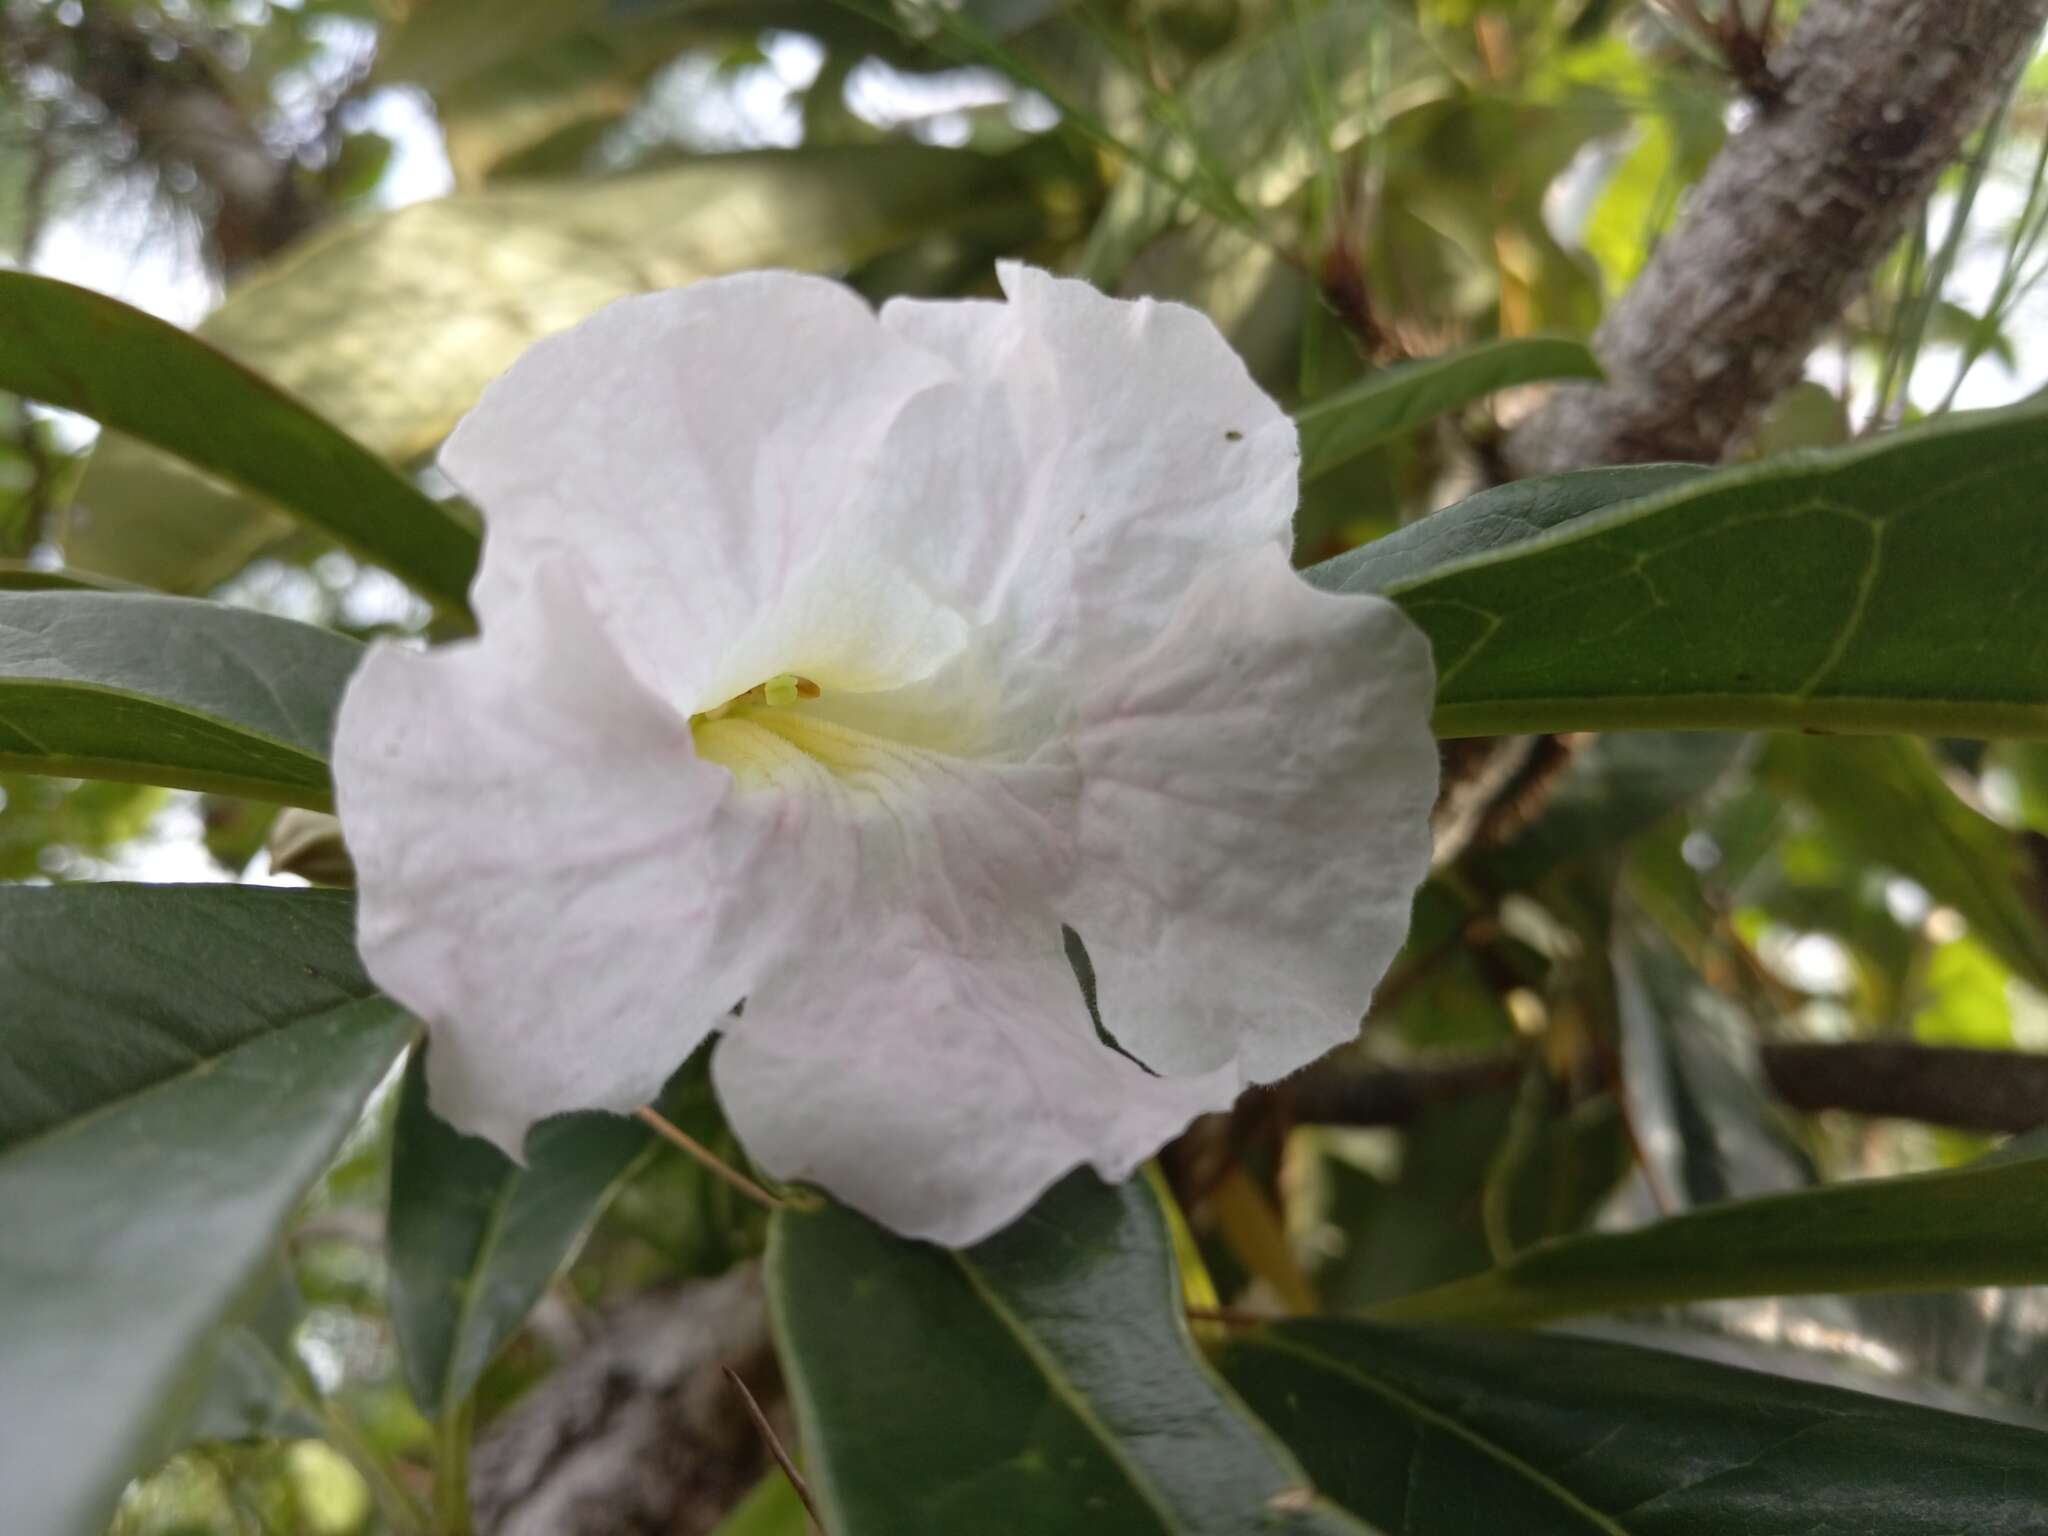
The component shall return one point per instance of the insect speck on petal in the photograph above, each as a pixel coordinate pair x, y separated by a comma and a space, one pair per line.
836, 662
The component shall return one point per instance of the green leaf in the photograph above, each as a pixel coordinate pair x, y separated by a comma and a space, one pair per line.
252, 1389
474, 1238
1340, 427
771, 1509
1692, 1081
392, 324
129, 370
20, 576
1881, 588
1046, 1373
1985, 1223
176, 1065
1498, 518
1885, 803
168, 690
1445, 1433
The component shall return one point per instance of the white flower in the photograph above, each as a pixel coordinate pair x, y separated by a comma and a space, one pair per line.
830, 662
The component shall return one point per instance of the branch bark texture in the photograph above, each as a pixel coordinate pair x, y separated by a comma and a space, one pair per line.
1785, 227
639, 1434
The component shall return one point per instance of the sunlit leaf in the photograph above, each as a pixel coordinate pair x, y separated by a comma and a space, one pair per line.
1339, 427
72, 347
392, 324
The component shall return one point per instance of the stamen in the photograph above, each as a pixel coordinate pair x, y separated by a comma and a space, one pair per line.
779, 692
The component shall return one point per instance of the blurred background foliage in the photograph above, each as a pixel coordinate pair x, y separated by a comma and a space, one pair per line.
379, 204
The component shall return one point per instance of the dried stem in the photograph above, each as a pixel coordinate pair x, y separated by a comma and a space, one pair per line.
673, 1134
775, 1446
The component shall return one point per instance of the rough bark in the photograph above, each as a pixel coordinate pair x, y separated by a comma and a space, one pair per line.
639, 1434
1976, 1090
1785, 227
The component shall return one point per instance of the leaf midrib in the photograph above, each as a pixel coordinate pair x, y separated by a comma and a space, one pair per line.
1069, 1394
201, 1066
11, 682
448, 1400
1425, 1414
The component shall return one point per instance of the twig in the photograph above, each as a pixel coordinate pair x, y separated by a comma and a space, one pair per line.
673, 1134
1959, 1086
775, 1447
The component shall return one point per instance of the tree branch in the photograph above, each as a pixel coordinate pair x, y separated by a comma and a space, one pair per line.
1786, 225
639, 1432
1977, 1090
1970, 1090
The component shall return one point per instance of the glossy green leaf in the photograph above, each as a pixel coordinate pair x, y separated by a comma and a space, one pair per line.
475, 1238
392, 324
168, 690
1046, 1370
1382, 406
1449, 1433
129, 370
1497, 518
1882, 588
1985, 1223
176, 1066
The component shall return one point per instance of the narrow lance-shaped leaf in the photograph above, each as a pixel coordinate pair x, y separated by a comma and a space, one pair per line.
1895, 586
1048, 1369
475, 1238
176, 1066
1446, 1433
1985, 1223
1338, 428
72, 347
169, 690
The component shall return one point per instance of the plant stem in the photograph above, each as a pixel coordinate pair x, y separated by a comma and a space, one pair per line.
678, 1137
451, 1472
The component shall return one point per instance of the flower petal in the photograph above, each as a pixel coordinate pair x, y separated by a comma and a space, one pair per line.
1255, 796
548, 874
695, 454
1138, 452
938, 1095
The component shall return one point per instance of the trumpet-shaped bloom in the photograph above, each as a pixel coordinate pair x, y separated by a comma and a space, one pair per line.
831, 663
